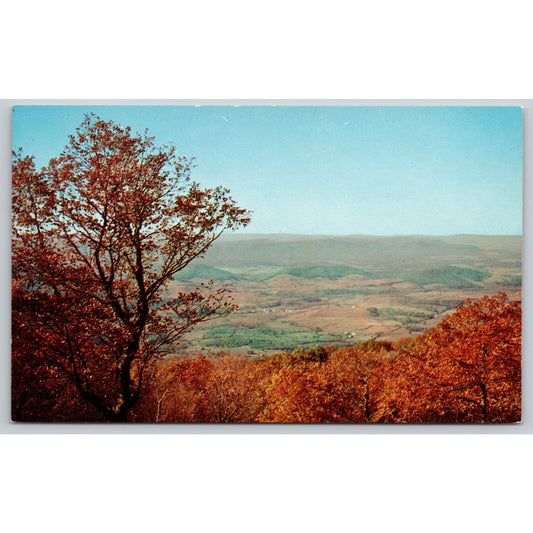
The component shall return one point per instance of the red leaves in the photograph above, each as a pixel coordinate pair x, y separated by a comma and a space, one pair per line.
467, 369
225, 389
100, 232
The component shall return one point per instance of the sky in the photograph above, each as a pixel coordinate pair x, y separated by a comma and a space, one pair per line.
335, 170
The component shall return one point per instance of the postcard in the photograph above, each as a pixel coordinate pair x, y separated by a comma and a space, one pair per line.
267, 264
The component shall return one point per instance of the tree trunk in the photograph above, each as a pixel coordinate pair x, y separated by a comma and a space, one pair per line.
367, 401
483, 403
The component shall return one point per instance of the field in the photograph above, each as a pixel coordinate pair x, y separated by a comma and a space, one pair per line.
300, 291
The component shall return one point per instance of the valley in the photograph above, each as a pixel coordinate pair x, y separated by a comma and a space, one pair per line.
300, 291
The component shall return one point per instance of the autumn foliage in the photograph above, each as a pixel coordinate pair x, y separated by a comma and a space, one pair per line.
97, 235
467, 369
100, 232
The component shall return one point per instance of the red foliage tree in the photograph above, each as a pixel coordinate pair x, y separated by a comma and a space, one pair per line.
236, 389
467, 369
176, 391
338, 389
97, 236
223, 389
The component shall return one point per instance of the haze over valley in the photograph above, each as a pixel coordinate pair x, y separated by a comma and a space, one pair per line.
303, 290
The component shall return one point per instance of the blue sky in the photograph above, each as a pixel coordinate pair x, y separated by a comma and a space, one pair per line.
331, 169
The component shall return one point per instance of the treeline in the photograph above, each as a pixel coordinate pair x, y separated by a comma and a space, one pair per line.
467, 369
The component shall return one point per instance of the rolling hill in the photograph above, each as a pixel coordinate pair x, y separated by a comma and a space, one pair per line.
303, 290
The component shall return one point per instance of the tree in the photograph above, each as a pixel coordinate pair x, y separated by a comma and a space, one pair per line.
223, 389
466, 369
364, 365
337, 388
176, 391
98, 234
474, 359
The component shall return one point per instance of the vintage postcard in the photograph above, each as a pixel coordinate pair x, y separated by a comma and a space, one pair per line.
267, 264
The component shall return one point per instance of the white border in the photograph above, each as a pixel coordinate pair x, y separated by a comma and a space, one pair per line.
6, 426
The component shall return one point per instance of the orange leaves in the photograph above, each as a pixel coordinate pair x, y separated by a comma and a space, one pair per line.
97, 236
467, 369
100, 232
224, 389
339, 389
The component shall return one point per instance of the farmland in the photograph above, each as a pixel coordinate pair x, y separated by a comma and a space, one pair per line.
300, 291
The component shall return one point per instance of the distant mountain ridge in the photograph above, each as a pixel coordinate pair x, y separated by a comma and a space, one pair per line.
362, 251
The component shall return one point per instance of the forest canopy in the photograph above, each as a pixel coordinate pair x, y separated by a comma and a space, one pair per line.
467, 369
